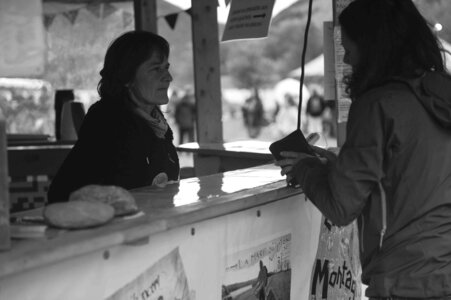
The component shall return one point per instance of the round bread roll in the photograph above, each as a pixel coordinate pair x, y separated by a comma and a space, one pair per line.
78, 214
119, 198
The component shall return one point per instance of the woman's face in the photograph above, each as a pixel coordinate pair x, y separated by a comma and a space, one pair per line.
352, 54
151, 82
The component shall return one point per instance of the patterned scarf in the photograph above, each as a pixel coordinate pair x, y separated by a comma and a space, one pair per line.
155, 119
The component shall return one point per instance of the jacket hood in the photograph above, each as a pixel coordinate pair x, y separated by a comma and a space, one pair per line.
433, 90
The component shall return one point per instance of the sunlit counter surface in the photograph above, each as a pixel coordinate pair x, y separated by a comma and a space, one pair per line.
213, 237
221, 157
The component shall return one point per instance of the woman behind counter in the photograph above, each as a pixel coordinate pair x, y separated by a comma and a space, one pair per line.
124, 139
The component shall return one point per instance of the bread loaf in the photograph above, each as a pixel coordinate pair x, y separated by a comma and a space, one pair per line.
78, 214
119, 198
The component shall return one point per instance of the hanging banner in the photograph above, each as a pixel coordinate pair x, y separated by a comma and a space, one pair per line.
108, 10
262, 271
166, 279
171, 19
336, 271
127, 19
22, 38
248, 19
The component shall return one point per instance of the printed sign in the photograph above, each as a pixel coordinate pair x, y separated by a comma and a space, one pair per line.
336, 271
166, 279
248, 19
329, 61
341, 70
22, 38
259, 272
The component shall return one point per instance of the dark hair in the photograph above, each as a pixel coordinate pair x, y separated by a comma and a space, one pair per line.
393, 39
123, 58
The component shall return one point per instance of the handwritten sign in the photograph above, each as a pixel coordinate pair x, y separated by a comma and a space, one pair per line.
248, 19
22, 38
166, 279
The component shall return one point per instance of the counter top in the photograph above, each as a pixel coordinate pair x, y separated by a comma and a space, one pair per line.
182, 203
251, 149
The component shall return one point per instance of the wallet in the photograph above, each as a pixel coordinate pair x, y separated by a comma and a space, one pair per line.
296, 142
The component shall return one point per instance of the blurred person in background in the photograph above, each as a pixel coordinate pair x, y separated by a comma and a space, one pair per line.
185, 117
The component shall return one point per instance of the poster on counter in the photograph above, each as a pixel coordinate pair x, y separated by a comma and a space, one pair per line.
166, 279
22, 38
262, 271
248, 19
336, 271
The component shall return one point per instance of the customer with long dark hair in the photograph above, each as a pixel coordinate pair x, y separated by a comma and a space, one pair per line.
124, 139
393, 172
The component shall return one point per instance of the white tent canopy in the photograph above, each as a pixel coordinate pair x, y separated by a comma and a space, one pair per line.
315, 67
292, 87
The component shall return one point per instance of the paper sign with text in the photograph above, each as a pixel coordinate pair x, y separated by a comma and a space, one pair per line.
166, 279
248, 19
341, 70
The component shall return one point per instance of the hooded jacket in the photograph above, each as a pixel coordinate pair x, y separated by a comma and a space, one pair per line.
394, 174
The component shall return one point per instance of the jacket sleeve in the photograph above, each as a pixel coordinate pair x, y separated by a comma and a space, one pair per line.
340, 191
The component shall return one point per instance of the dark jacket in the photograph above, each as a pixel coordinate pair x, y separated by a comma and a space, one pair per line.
114, 147
399, 135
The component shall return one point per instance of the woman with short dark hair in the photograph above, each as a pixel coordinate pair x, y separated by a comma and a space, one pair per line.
124, 139
393, 173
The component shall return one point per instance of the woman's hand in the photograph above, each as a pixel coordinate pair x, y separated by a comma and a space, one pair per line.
290, 159
328, 155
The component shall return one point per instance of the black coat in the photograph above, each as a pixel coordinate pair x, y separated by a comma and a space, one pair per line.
114, 147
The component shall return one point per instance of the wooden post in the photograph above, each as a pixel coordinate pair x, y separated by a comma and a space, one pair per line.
145, 15
206, 80
5, 242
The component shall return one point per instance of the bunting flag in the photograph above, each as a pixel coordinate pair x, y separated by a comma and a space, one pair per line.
108, 10
48, 20
104, 10
127, 18
71, 15
171, 19
95, 9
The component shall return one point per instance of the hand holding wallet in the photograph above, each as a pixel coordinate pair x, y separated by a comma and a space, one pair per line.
295, 142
